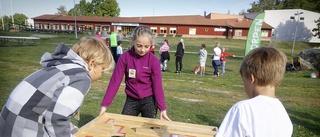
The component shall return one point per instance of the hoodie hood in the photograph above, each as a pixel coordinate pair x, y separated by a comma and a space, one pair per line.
62, 55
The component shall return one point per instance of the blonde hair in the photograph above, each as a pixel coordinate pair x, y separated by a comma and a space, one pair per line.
141, 31
181, 40
94, 49
266, 64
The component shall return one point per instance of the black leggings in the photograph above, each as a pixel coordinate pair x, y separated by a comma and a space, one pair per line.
178, 60
147, 107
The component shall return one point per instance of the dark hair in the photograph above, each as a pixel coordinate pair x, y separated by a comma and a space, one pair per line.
119, 42
203, 45
167, 42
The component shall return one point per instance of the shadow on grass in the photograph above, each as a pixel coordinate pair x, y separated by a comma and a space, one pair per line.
211, 122
303, 119
85, 119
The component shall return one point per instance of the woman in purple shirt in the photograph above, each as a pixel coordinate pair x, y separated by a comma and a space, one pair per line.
143, 79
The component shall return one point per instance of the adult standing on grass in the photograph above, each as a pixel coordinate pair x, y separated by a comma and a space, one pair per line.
179, 54
143, 79
42, 104
114, 44
223, 59
262, 115
216, 59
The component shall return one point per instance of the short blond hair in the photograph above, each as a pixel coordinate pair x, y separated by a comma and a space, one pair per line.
91, 48
266, 64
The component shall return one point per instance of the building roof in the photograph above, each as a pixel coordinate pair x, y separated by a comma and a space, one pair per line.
232, 21
214, 16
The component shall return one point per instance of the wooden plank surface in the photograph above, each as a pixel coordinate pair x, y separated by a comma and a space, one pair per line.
130, 126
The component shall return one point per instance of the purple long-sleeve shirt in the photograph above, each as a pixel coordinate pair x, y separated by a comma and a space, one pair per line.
146, 81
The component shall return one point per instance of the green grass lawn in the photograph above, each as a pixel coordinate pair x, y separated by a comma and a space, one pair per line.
192, 99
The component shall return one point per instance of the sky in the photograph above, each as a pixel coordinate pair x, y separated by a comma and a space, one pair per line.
130, 8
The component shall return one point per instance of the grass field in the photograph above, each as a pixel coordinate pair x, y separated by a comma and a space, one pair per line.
192, 99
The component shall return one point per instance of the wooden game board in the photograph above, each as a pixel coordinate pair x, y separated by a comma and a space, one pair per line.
116, 125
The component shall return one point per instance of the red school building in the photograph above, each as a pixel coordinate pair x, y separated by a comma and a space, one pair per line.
211, 25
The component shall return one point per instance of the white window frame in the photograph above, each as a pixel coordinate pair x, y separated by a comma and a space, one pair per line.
192, 31
163, 30
173, 30
264, 33
154, 29
238, 32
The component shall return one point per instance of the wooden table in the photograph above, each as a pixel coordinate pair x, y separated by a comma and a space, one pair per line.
117, 125
22, 41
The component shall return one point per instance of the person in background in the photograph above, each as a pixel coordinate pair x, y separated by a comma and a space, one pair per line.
43, 103
143, 79
179, 54
262, 115
216, 59
98, 35
223, 59
202, 59
108, 42
119, 50
152, 48
164, 55
114, 44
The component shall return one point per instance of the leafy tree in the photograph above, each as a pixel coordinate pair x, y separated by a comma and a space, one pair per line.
62, 10
19, 20
96, 8
108, 8
317, 30
261, 5
6, 23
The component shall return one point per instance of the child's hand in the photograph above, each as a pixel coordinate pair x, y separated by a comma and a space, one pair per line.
102, 110
163, 116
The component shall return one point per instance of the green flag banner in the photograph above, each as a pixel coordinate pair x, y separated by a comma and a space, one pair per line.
254, 34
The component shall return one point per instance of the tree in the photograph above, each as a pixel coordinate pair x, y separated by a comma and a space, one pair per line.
96, 8
20, 21
62, 10
108, 8
6, 22
262, 5
317, 30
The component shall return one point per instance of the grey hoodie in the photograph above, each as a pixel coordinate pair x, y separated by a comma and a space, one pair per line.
42, 104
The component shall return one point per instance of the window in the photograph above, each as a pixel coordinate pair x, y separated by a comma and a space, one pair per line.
292, 17
46, 26
192, 31
154, 29
301, 18
98, 28
264, 33
238, 32
163, 30
38, 26
55, 26
71, 27
63, 26
173, 30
